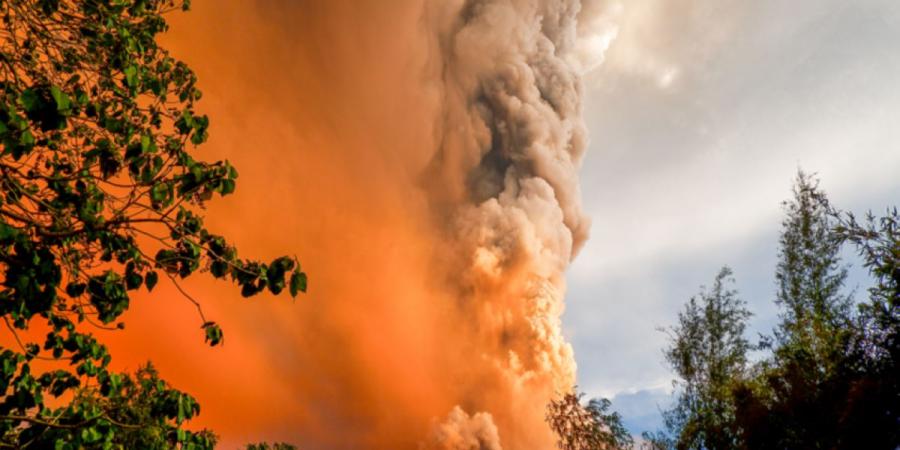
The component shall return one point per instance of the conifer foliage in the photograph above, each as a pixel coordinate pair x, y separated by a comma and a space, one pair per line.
829, 376
707, 352
810, 276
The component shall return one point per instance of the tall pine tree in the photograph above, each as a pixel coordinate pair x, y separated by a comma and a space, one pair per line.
798, 395
810, 279
707, 352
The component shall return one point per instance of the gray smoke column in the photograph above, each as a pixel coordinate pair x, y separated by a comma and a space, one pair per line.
504, 187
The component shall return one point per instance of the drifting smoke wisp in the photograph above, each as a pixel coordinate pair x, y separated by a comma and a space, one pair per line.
420, 158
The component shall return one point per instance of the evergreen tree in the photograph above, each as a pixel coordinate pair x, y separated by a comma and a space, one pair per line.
832, 379
815, 313
707, 352
871, 417
797, 396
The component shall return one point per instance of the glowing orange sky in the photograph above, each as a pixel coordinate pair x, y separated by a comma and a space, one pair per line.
325, 116
432, 316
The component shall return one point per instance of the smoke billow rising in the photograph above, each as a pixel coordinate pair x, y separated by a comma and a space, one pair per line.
420, 158
459, 431
504, 185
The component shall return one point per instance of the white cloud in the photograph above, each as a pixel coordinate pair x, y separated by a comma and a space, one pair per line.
699, 116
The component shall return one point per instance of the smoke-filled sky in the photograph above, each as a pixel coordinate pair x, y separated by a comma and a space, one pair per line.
421, 159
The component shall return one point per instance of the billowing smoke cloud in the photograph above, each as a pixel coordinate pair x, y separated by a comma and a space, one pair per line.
420, 158
504, 181
461, 432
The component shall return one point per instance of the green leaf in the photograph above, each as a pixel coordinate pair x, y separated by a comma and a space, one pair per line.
181, 408
90, 435
147, 144
30, 100
133, 280
298, 283
199, 137
26, 139
219, 268
159, 192
276, 285
7, 232
185, 123
63, 103
151, 279
248, 289
213, 333
131, 76
227, 187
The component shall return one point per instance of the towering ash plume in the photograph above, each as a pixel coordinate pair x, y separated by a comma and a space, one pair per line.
420, 157
504, 182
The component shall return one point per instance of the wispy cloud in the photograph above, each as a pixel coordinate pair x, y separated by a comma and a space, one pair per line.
699, 116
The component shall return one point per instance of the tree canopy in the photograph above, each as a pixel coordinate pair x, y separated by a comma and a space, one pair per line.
100, 196
799, 390
829, 377
708, 350
591, 426
810, 278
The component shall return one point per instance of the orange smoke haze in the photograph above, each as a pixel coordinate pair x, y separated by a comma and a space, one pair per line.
432, 319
